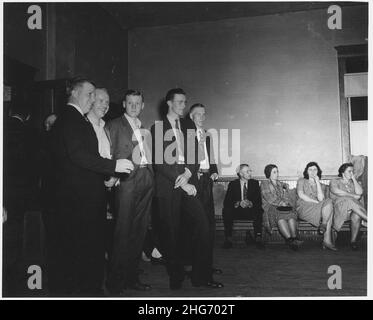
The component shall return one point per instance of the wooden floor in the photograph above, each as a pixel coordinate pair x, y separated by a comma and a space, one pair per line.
276, 271
248, 272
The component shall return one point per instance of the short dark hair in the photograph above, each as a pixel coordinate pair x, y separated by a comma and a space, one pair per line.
103, 89
196, 105
268, 169
240, 167
343, 168
75, 83
309, 165
133, 92
171, 93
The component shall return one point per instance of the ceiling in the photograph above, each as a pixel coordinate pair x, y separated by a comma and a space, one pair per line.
146, 14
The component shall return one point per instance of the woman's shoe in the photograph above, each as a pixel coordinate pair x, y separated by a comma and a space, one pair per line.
354, 246
292, 245
328, 246
322, 229
298, 241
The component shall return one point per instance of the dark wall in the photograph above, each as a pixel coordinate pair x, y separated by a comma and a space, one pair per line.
275, 78
87, 39
22, 44
90, 43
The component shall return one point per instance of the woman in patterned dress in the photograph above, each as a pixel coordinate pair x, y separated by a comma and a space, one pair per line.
275, 194
313, 206
346, 193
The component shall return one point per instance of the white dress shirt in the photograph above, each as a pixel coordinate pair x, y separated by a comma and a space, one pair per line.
204, 164
102, 138
135, 124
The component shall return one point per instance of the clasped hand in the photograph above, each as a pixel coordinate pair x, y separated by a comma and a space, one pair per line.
189, 189
124, 166
244, 204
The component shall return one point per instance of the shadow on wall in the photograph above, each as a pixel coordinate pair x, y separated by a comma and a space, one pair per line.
115, 111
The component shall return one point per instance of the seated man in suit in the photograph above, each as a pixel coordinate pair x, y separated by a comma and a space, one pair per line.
243, 201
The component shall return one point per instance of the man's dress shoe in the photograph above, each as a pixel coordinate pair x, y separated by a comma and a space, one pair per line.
210, 284
139, 286
156, 261
188, 273
217, 271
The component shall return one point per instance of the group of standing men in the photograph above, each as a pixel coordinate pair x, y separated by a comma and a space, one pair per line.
178, 188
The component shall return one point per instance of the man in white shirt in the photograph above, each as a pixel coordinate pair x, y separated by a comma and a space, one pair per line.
133, 196
99, 109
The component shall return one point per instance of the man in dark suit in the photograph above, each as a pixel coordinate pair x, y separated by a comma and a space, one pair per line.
207, 169
20, 187
133, 196
175, 197
243, 201
78, 268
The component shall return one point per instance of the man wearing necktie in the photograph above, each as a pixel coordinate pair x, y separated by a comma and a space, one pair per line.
76, 266
176, 199
207, 172
133, 195
243, 201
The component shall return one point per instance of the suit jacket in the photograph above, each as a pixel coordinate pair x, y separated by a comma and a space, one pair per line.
165, 173
79, 168
122, 145
234, 194
21, 163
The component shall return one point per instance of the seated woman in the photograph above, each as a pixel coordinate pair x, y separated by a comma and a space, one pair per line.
346, 192
277, 206
312, 204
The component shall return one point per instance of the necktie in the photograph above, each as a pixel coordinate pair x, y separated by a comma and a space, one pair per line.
178, 139
201, 146
245, 191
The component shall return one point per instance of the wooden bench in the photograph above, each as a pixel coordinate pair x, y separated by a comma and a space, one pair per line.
240, 227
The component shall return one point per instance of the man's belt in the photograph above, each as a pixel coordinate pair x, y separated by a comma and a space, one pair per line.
204, 171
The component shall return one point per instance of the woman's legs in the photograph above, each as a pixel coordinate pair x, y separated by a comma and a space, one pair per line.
355, 226
293, 227
361, 212
284, 229
326, 214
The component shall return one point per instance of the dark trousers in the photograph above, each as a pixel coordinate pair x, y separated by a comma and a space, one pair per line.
76, 265
204, 193
173, 210
12, 245
133, 202
151, 242
110, 223
231, 214
152, 238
